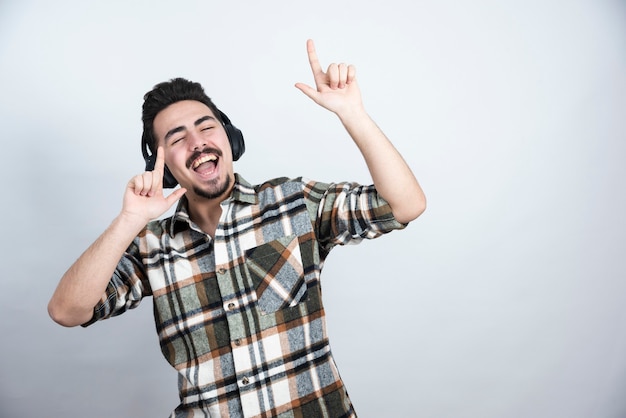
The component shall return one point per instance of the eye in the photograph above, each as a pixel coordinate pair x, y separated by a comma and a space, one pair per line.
177, 140
206, 128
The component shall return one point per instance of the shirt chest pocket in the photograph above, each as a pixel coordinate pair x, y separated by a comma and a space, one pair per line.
277, 274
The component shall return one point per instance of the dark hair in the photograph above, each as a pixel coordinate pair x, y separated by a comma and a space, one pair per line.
165, 94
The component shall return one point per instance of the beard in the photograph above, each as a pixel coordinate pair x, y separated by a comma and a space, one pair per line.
214, 189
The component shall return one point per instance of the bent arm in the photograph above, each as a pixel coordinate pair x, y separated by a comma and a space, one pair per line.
82, 286
337, 90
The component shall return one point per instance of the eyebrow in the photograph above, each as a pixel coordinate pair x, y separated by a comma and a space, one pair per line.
182, 128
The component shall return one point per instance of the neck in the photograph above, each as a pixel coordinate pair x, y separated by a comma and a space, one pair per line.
205, 208
205, 212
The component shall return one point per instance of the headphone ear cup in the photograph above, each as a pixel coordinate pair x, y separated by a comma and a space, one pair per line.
237, 144
169, 182
235, 136
150, 161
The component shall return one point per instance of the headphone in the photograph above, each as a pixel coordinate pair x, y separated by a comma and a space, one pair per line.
235, 138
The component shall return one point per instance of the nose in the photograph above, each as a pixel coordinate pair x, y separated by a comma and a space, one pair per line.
196, 141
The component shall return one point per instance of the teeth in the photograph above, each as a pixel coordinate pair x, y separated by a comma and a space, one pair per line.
203, 159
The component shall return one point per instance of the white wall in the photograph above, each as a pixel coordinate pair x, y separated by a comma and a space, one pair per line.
505, 299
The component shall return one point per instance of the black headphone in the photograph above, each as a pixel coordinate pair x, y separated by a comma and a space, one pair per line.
235, 138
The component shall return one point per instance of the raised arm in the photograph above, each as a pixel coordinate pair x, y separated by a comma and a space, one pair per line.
84, 283
337, 90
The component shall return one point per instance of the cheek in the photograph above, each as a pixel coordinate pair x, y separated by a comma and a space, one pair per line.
227, 150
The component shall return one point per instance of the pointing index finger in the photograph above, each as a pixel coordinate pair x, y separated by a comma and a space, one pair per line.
159, 169
313, 60
159, 164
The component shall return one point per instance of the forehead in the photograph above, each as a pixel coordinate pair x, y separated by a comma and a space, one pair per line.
180, 114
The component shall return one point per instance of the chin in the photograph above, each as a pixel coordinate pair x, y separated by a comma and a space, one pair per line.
214, 189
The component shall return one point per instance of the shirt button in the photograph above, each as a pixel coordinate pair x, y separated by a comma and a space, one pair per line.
221, 270
245, 381
231, 306
237, 342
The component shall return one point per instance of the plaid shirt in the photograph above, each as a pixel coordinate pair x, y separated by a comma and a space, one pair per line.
240, 316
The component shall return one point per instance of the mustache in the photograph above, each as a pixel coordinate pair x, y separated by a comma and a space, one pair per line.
197, 154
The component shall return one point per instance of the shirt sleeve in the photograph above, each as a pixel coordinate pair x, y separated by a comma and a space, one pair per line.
128, 285
347, 213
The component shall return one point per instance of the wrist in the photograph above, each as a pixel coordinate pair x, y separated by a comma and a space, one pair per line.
353, 115
129, 221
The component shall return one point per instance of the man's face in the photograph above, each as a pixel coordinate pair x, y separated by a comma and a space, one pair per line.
196, 146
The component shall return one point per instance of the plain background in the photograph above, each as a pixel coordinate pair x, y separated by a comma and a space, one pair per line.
505, 299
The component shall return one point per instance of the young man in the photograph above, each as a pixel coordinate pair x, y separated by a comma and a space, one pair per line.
234, 273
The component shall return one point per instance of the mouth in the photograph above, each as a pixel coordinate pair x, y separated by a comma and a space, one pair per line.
205, 165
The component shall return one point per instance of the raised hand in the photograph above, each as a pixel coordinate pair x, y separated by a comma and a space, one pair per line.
144, 196
336, 89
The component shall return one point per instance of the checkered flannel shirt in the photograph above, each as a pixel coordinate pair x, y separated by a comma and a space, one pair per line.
240, 316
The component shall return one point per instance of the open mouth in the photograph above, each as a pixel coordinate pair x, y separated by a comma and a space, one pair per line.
206, 164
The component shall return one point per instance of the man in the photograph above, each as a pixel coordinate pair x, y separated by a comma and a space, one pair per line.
234, 273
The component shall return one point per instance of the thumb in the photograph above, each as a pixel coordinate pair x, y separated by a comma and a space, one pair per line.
175, 195
308, 90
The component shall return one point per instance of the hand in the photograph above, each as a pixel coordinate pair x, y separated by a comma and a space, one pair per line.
144, 197
336, 89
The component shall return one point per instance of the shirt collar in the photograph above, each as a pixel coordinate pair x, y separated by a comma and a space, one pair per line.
243, 192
